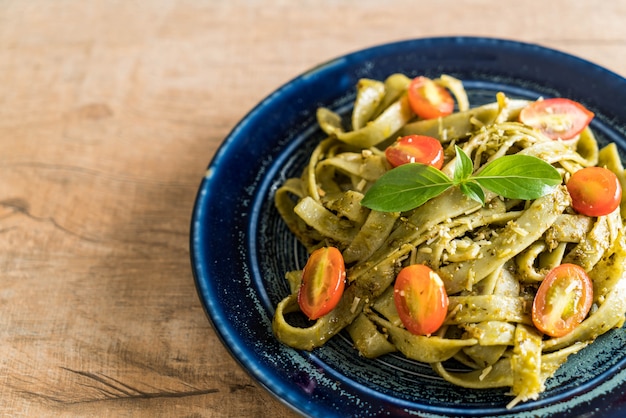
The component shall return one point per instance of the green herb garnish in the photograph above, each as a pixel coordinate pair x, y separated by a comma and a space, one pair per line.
512, 176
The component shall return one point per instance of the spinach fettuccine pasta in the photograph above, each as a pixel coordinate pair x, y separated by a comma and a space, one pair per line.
489, 235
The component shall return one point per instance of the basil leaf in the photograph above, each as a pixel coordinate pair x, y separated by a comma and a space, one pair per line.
519, 177
406, 187
474, 191
463, 166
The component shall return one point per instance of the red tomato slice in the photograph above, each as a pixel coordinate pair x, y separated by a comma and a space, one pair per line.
595, 191
429, 100
323, 281
415, 149
421, 299
556, 118
563, 300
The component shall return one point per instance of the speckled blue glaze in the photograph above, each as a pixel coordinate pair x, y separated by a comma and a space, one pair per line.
240, 249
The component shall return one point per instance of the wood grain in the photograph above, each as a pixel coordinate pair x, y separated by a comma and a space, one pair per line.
109, 113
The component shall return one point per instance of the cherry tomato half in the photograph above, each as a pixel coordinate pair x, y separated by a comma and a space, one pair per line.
556, 118
415, 149
563, 300
429, 100
323, 281
421, 299
595, 191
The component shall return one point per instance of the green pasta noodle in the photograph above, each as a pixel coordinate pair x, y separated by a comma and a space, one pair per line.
491, 257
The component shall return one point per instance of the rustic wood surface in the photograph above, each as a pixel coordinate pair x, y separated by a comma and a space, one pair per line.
109, 113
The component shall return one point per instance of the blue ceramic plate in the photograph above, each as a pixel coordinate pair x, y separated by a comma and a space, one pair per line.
240, 248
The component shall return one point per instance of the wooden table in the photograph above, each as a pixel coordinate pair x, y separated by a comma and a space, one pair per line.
109, 114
